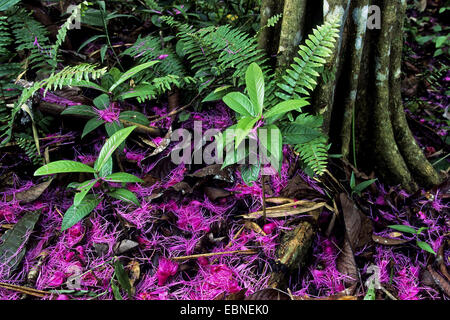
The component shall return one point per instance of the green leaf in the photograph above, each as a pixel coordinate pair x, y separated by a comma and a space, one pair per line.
363, 185
102, 101
275, 152
134, 116
122, 177
90, 126
75, 213
84, 189
81, 110
425, 246
297, 134
370, 295
217, 94
6, 4
352, 181
124, 195
250, 173
286, 106
116, 291
130, 73
107, 168
403, 228
255, 86
103, 52
91, 39
243, 128
63, 166
239, 103
110, 146
122, 277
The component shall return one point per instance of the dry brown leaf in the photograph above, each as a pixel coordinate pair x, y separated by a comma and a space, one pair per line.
215, 193
388, 241
286, 210
440, 281
358, 227
250, 225
346, 263
33, 193
237, 296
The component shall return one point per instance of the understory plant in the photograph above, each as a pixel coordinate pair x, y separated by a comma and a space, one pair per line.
84, 202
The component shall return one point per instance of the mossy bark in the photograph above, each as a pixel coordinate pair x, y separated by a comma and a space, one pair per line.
360, 100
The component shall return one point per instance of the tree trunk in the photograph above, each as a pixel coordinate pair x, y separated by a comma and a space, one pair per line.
361, 99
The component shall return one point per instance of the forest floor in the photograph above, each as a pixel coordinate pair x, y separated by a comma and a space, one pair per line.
400, 242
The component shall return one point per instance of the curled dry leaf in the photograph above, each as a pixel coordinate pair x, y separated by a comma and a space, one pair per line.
440, 258
287, 210
388, 241
440, 281
269, 294
250, 225
214, 171
164, 143
33, 193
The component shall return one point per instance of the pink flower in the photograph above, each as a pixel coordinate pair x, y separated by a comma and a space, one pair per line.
110, 114
163, 56
57, 279
203, 261
268, 228
166, 269
62, 297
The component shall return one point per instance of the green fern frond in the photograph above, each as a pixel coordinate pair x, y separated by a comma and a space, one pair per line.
79, 75
149, 48
314, 154
62, 32
301, 78
218, 54
27, 144
31, 36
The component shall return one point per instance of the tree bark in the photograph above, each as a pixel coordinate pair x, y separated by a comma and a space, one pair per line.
360, 99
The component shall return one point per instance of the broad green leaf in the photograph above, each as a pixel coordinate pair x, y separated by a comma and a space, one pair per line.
130, 73
122, 277
107, 168
110, 146
243, 128
285, 106
75, 213
90, 126
81, 110
102, 101
255, 86
124, 195
113, 127
272, 141
63, 166
239, 103
425, 246
134, 116
217, 94
84, 189
122, 177
403, 228
250, 173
